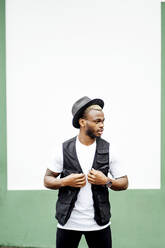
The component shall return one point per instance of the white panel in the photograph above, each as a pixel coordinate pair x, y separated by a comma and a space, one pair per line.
59, 51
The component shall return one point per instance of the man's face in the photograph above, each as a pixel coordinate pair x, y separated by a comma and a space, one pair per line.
94, 123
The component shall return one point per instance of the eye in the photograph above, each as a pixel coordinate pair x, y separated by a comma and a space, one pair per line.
97, 121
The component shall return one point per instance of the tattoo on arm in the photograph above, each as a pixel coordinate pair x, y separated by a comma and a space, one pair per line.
121, 177
51, 173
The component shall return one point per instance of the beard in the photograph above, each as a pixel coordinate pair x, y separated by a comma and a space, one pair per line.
90, 133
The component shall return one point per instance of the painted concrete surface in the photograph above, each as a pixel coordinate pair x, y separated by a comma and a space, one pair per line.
27, 217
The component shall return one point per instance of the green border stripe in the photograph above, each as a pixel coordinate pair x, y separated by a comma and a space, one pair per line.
163, 95
3, 136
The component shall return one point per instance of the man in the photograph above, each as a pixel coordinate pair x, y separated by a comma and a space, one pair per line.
83, 164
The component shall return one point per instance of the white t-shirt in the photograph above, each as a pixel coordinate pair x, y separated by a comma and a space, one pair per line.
82, 216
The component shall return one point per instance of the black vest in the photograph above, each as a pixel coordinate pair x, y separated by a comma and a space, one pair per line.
67, 196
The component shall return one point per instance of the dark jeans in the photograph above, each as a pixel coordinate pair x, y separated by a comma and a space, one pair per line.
95, 239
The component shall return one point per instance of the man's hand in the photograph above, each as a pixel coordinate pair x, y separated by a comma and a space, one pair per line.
97, 177
74, 180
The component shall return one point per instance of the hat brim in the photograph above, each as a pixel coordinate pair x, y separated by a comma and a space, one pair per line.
77, 116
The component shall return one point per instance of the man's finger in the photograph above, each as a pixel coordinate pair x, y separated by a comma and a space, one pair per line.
91, 181
80, 175
80, 184
93, 171
91, 174
80, 180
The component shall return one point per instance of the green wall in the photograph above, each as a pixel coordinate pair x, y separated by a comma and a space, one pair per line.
27, 217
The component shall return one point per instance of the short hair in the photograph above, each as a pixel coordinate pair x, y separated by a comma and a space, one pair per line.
91, 107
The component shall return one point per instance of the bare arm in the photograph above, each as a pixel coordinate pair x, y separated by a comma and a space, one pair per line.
74, 180
51, 181
119, 183
97, 177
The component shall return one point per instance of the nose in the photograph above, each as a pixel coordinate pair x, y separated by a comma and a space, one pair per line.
102, 124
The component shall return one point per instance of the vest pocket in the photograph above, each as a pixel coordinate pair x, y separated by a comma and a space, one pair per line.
65, 204
102, 194
102, 158
67, 194
62, 211
105, 213
101, 204
102, 162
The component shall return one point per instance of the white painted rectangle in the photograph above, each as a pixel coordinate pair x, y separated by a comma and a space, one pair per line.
59, 51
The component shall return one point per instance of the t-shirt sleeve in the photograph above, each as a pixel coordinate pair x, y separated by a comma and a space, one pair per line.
116, 165
55, 162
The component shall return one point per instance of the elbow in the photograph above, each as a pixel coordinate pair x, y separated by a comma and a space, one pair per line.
126, 184
45, 183
125, 187
49, 184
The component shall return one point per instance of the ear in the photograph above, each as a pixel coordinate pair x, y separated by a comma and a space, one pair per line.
82, 122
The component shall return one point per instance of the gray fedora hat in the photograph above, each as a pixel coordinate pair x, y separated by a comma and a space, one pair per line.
79, 107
